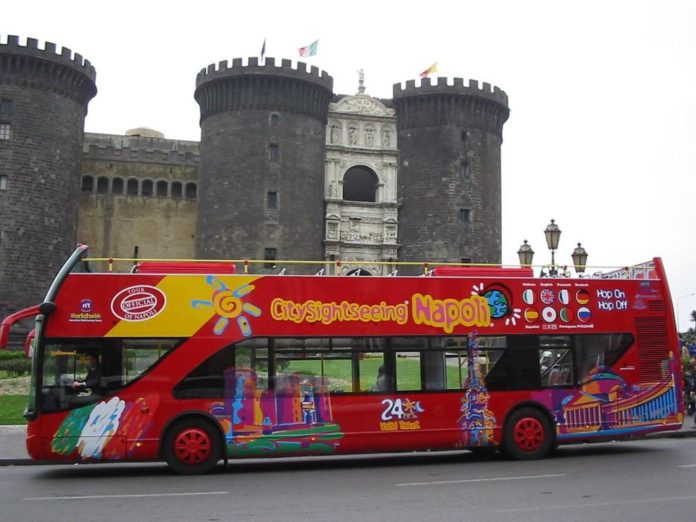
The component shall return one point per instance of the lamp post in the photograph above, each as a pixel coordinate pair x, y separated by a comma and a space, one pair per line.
553, 236
526, 254
579, 256
679, 299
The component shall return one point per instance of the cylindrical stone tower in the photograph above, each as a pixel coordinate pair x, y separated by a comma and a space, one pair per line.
261, 179
449, 170
43, 104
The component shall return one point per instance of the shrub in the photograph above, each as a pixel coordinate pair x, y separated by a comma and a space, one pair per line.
6, 355
16, 367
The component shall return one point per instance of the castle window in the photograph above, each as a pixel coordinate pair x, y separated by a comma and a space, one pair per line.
176, 190
269, 254
147, 188
161, 189
5, 131
117, 186
190, 191
464, 169
6, 106
274, 118
464, 215
273, 152
360, 184
87, 183
271, 200
3, 182
102, 185
132, 187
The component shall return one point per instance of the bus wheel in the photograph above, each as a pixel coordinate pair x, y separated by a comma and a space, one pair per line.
527, 435
192, 447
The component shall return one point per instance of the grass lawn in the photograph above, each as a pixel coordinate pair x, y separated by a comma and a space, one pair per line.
11, 409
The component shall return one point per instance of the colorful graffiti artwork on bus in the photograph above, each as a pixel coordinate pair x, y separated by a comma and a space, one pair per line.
228, 304
90, 430
292, 417
605, 404
477, 420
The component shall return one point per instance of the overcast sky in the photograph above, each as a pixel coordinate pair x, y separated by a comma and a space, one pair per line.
602, 128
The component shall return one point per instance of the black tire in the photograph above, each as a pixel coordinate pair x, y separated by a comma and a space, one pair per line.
527, 435
192, 446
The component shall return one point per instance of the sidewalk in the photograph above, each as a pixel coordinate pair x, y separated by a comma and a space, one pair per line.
13, 451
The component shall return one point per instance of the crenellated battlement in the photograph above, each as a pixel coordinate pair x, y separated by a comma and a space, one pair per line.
48, 52
287, 69
457, 87
140, 149
263, 86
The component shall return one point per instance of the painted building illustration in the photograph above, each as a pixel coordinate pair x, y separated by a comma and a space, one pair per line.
605, 404
295, 415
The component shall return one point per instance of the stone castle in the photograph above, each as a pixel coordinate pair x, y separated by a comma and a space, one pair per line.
285, 169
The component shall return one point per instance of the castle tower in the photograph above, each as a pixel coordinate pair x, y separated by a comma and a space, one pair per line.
43, 104
261, 179
449, 170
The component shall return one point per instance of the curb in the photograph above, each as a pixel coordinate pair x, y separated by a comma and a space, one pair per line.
684, 433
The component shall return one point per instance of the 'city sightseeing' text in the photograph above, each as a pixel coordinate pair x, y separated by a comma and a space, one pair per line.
446, 314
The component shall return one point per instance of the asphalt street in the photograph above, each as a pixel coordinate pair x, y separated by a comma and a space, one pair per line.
645, 480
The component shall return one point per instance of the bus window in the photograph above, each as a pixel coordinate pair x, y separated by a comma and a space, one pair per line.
252, 354
140, 354
372, 370
408, 361
207, 380
210, 378
594, 351
455, 362
374, 374
555, 360
516, 367
326, 359
119, 360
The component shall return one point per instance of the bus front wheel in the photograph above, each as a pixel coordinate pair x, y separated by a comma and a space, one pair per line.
527, 435
192, 447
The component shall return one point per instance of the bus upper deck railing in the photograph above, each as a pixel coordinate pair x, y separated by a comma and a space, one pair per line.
355, 268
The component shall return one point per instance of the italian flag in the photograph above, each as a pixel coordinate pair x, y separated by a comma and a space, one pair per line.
310, 50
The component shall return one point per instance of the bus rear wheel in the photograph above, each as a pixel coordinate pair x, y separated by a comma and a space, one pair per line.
527, 435
192, 447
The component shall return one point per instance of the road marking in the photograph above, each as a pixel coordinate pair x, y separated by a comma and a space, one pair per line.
142, 495
596, 504
687, 466
494, 479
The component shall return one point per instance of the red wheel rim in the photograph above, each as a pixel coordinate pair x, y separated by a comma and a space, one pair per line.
529, 434
192, 446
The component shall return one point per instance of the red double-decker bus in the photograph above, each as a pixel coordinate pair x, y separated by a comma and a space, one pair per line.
194, 364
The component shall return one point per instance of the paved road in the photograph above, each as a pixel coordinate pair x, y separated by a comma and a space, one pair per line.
637, 481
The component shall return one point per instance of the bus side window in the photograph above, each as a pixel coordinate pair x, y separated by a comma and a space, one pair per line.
517, 368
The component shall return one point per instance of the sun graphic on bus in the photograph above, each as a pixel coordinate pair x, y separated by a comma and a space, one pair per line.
228, 304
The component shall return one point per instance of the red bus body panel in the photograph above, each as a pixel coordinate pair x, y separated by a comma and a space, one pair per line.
197, 308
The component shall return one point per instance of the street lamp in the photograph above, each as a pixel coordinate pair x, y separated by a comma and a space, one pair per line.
553, 236
526, 254
579, 256
679, 299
